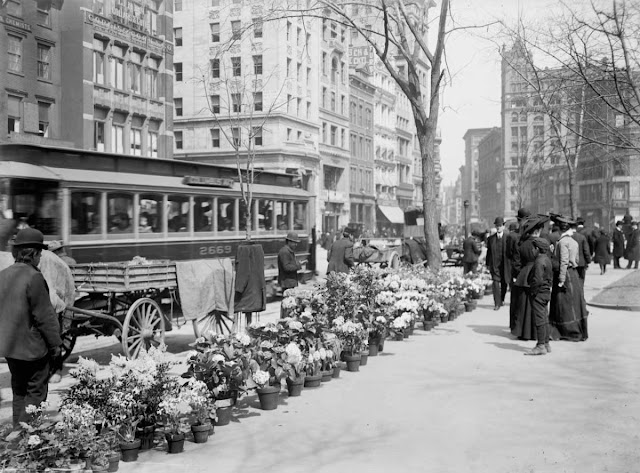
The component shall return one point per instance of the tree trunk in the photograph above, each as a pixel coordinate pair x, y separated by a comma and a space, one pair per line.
573, 192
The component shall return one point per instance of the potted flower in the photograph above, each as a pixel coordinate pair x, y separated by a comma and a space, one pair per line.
173, 408
267, 394
312, 369
377, 332
328, 361
196, 394
398, 326
294, 368
353, 336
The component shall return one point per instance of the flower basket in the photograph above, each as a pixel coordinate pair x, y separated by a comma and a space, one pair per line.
327, 375
294, 386
427, 325
470, 305
130, 450
405, 333
313, 381
268, 397
398, 335
336, 371
175, 442
444, 318
353, 361
224, 414
364, 358
145, 433
374, 346
114, 462
200, 432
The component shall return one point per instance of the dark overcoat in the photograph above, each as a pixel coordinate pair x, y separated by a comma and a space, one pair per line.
287, 268
618, 243
471, 249
498, 260
340, 256
602, 251
633, 246
29, 326
251, 287
585, 248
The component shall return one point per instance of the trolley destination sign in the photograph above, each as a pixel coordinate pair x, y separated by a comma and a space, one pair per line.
205, 181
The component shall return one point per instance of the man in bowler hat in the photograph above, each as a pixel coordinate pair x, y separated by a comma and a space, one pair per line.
340, 256
498, 263
29, 329
288, 267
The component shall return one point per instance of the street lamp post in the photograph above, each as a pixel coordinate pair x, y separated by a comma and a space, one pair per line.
466, 230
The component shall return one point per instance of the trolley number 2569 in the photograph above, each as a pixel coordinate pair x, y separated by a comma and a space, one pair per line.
215, 250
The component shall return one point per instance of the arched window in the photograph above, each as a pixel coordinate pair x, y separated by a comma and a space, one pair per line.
334, 70
514, 117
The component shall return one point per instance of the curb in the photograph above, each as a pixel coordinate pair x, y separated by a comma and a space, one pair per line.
632, 308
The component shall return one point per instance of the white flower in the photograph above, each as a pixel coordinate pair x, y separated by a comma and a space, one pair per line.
218, 358
323, 353
243, 338
260, 377
295, 325
294, 355
34, 440
316, 356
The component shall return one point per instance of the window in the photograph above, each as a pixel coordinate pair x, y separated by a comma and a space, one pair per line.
177, 5
308, 110
288, 30
98, 135
257, 101
334, 33
14, 118
44, 62
135, 72
288, 67
333, 101
177, 35
85, 213
334, 132
202, 214
343, 138
153, 65
99, 66
236, 27
324, 97
289, 132
215, 137
334, 70
298, 36
15, 53
152, 144
215, 32
257, 136
257, 64
324, 62
117, 67
298, 107
178, 213
177, 67
308, 76
215, 68
324, 132
226, 214
236, 102
152, 20
257, 28
215, 104
177, 104
342, 104
150, 214
44, 19
14, 8
236, 66
117, 139
43, 118
178, 139
135, 142
236, 136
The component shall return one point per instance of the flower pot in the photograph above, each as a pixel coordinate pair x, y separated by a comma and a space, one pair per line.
398, 335
364, 358
294, 386
130, 450
477, 295
268, 397
99, 468
224, 414
381, 344
470, 305
200, 432
175, 442
427, 325
374, 346
460, 309
444, 318
312, 381
353, 362
326, 375
145, 433
336, 371
114, 462
405, 333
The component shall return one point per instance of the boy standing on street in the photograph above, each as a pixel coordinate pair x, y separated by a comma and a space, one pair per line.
540, 282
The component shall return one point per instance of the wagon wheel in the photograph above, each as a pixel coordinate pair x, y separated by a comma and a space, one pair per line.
216, 321
394, 261
143, 327
68, 335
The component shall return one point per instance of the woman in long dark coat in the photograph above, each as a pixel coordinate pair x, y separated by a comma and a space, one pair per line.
603, 251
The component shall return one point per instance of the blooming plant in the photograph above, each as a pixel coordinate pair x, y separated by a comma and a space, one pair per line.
173, 408
294, 365
196, 394
353, 336
261, 378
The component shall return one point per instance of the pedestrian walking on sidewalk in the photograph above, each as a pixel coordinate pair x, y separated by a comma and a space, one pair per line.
29, 329
568, 312
603, 251
539, 294
340, 256
498, 263
618, 244
471, 250
633, 246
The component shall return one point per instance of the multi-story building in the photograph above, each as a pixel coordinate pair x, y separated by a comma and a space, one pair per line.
249, 90
361, 188
110, 90
490, 177
472, 138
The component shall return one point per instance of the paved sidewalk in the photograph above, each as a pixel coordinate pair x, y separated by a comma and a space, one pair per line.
461, 398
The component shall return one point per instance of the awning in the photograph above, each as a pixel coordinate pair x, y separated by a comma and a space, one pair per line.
393, 214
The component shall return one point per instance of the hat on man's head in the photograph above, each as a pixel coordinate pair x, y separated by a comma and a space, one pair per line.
293, 236
513, 226
498, 221
561, 219
619, 222
55, 245
542, 244
523, 213
30, 238
580, 221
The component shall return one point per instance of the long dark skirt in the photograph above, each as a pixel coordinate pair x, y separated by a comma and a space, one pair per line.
568, 312
524, 325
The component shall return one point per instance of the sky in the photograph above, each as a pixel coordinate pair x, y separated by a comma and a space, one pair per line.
472, 99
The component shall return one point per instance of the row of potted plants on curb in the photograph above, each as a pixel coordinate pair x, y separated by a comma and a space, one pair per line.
114, 412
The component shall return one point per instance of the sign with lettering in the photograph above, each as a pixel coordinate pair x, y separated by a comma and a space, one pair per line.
207, 181
121, 31
361, 55
7, 20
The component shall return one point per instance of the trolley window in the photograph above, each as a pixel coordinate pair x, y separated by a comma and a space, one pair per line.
265, 214
150, 215
34, 203
299, 215
178, 213
226, 214
85, 213
120, 212
282, 215
203, 214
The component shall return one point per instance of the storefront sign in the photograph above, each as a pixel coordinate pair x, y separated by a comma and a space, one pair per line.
207, 181
7, 20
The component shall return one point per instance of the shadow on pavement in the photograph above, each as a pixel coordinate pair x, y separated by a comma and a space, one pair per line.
509, 346
495, 330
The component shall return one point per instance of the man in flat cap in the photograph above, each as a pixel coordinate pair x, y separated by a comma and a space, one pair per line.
498, 263
539, 293
29, 328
